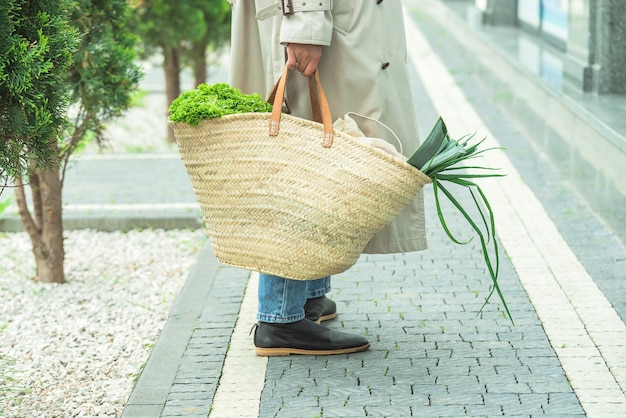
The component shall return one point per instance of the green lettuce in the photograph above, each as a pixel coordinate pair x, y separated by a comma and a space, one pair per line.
212, 101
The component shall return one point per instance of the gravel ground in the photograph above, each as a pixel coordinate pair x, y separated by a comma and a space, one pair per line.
76, 349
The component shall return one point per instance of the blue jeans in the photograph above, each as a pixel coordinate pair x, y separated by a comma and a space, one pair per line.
282, 300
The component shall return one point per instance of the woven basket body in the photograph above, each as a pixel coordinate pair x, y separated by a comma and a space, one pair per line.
285, 205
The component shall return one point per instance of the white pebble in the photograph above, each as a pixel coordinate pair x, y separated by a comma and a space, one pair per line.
75, 349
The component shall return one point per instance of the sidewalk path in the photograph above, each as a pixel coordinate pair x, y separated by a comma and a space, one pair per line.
129, 191
432, 354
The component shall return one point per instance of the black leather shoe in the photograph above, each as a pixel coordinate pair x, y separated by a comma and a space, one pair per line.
304, 337
320, 309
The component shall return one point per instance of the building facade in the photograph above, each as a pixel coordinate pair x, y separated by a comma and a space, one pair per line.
591, 34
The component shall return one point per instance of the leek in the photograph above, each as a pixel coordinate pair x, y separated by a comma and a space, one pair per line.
439, 158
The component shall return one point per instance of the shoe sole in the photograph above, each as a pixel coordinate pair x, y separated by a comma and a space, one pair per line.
327, 317
273, 352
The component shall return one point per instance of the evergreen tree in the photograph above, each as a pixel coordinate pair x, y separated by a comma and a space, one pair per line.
84, 94
36, 47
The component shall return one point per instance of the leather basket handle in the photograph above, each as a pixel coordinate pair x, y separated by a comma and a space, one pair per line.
319, 104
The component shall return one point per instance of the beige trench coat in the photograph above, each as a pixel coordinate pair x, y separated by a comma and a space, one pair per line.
362, 69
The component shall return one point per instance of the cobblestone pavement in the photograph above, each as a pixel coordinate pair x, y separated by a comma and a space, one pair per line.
433, 353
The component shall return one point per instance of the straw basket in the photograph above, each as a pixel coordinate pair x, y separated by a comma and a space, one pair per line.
288, 196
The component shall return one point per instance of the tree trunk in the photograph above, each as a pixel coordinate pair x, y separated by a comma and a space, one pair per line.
171, 66
199, 62
45, 224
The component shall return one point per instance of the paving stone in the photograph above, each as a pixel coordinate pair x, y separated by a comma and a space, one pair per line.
177, 412
482, 372
406, 399
387, 411
312, 391
336, 411
357, 401
270, 407
499, 361
185, 399
438, 411
457, 399
206, 361
462, 352
301, 403
184, 396
483, 410
185, 410
501, 398
193, 388
194, 380
512, 370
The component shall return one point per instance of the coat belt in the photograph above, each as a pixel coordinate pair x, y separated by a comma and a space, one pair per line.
288, 7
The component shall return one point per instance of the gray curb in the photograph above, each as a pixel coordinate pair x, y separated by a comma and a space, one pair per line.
153, 386
120, 221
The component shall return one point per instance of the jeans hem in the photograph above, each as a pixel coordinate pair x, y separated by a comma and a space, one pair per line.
318, 293
279, 319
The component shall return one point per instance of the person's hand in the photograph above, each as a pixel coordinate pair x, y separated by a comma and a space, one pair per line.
304, 58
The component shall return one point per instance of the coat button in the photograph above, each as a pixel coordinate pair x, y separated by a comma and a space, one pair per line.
385, 64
